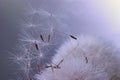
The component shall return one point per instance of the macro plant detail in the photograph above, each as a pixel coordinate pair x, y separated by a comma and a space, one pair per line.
41, 56
36, 42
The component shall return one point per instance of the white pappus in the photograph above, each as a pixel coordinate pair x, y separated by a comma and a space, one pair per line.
86, 58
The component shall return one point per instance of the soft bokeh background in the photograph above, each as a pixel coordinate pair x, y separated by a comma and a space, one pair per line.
93, 17
10, 13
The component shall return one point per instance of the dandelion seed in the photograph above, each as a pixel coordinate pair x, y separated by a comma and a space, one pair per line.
58, 65
36, 46
60, 61
38, 68
73, 37
47, 66
30, 78
55, 66
49, 37
41, 37
52, 68
86, 59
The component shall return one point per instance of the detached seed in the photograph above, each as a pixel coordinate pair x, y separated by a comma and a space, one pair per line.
86, 59
73, 37
36, 46
41, 37
49, 37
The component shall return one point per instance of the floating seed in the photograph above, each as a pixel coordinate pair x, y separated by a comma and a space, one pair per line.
86, 59
38, 68
36, 46
73, 37
49, 37
41, 37
30, 78
60, 62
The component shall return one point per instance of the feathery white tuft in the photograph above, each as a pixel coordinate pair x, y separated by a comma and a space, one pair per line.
86, 58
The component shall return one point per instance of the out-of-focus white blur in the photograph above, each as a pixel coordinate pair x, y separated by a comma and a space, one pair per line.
94, 17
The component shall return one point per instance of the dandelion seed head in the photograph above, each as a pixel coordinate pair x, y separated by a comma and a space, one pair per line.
101, 62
